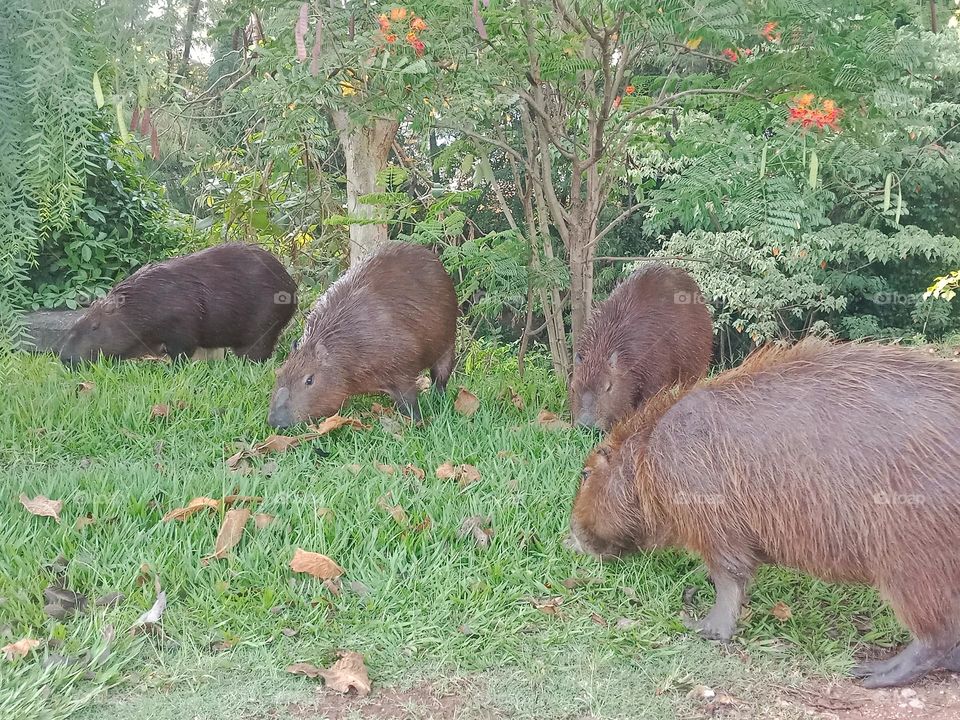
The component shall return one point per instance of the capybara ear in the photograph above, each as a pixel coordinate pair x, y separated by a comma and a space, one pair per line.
613, 359
604, 453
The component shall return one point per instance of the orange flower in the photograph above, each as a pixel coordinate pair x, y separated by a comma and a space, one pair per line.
630, 89
616, 101
827, 115
398, 13
770, 33
730, 54
416, 43
384, 24
746, 52
418, 25
390, 38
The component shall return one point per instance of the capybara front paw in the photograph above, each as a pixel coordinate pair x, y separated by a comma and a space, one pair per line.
711, 629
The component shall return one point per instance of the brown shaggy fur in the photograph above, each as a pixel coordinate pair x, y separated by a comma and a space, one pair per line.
653, 332
372, 331
231, 295
839, 460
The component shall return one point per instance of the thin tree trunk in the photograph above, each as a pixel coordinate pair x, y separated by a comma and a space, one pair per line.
366, 149
192, 12
933, 16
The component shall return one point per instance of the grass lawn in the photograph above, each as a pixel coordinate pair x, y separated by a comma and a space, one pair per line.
417, 599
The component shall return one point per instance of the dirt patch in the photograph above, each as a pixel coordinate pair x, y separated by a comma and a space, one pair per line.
425, 701
937, 697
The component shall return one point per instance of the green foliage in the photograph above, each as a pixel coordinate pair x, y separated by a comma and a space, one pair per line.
121, 221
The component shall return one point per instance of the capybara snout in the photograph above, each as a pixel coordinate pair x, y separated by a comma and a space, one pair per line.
640, 340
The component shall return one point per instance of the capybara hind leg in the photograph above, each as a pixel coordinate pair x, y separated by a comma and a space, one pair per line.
180, 354
912, 663
869, 667
721, 622
406, 399
258, 352
442, 369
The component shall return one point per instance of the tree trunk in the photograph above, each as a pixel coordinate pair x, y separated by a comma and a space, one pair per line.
366, 149
581, 254
188, 36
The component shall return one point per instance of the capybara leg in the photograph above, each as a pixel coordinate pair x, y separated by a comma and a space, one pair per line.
442, 369
912, 663
406, 400
952, 661
721, 622
180, 354
870, 667
258, 351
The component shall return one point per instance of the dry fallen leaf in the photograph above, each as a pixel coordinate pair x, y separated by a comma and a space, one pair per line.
150, 620
230, 500
325, 513
84, 521
160, 410
230, 532
315, 564
302, 668
261, 520
386, 469
19, 648
411, 469
42, 506
277, 443
195, 505
781, 611
466, 403
333, 585
423, 524
395, 511
464, 474
477, 527
551, 421
423, 383
348, 673
85, 387
515, 399
354, 468
235, 459
336, 421
598, 620
627, 623
548, 606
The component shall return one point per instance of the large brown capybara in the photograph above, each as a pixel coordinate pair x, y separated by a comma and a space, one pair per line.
842, 461
653, 332
373, 331
232, 295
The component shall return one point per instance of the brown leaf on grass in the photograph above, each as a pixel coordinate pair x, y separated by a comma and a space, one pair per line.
160, 410
466, 403
423, 383
303, 668
550, 421
464, 474
315, 564
42, 506
411, 469
144, 575
548, 606
84, 521
385, 469
781, 611
85, 388
334, 586
325, 513
20, 648
574, 582
354, 468
379, 410
395, 511
149, 622
516, 399
332, 423
194, 506
598, 619
477, 527
423, 525
231, 500
230, 532
626, 623
348, 673
278, 444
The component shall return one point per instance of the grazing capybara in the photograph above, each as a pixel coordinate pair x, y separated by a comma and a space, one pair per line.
842, 461
232, 295
373, 331
654, 331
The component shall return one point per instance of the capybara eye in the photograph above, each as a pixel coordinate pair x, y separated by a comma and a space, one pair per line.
308, 380
609, 387
584, 474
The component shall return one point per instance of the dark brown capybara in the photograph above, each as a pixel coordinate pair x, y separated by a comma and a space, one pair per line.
373, 331
842, 461
654, 331
232, 295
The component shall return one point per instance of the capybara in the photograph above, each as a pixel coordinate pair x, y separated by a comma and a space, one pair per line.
654, 331
373, 331
232, 295
842, 461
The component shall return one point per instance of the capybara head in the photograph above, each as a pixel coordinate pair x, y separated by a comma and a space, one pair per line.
309, 385
602, 388
103, 329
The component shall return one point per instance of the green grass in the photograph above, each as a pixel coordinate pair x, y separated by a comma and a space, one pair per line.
104, 455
